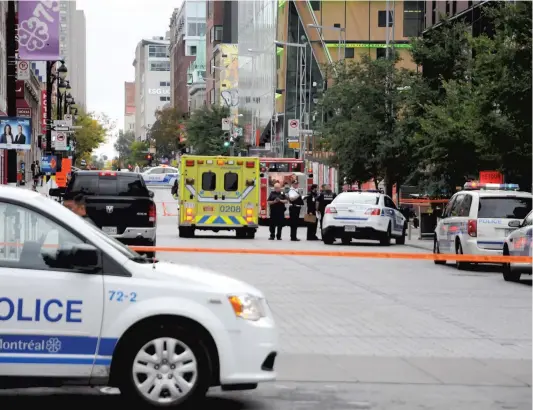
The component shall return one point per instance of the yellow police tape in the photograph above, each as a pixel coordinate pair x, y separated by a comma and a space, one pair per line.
342, 254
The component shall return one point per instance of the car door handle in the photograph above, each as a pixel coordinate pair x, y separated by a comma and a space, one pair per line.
216, 197
223, 197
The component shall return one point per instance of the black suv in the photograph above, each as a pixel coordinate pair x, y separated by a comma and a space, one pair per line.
118, 203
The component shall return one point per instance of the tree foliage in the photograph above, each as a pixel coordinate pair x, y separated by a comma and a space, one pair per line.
138, 153
94, 131
165, 133
470, 110
364, 128
204, 131
123, 144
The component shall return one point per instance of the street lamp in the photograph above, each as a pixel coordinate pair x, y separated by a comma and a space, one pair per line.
51, 78
62, 71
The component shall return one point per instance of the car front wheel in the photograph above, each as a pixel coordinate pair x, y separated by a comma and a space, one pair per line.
508, 274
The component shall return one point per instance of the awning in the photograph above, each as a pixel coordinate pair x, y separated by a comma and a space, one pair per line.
21, 103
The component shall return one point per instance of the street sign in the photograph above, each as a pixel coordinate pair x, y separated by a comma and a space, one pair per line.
62, 129
306, 132
60, 141
226, 124
237, 131
68, 119
294, 128
23, 71
60, 123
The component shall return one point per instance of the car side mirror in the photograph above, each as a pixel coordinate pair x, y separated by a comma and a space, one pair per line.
82, 257
151, 194
514, 224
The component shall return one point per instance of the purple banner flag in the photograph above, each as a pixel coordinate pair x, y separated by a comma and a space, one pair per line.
38, 30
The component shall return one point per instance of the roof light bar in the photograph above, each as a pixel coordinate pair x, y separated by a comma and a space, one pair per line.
472, 186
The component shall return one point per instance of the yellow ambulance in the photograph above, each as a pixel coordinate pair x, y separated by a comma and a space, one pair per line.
219, 194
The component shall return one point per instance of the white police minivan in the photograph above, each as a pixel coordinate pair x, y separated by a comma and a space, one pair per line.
78, 307
477, 220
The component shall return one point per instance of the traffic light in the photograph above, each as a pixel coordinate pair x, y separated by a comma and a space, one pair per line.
227, 141
149, 159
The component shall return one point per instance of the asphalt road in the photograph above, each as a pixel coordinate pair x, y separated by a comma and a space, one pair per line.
362, 333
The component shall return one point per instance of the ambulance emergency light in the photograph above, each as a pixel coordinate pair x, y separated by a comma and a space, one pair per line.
471, 186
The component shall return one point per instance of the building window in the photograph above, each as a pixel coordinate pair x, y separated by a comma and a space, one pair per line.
164, 98
191, 29
433, 12
413, 18
218, 33
192, 50
201, 27
157, 51
160, 66
470, 3
164, 84
349, 53
315, 5
381, 53
454, 8
382, 18
447, 8
212, 96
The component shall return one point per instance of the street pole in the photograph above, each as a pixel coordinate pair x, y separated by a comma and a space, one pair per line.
49, 86
10, 156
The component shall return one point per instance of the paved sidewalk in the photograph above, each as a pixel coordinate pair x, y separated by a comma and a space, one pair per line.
416, 242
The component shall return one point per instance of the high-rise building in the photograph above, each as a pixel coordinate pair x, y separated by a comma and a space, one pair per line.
73, 49
222, 28
187, 28
152, 82
284, 46
129, 106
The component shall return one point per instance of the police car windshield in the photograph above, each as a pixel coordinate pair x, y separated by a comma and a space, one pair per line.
357, 198
125, 250
504, 207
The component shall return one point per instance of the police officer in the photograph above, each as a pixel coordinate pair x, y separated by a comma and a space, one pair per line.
80, 209
296, 202
277, 201
311, 210
324, 199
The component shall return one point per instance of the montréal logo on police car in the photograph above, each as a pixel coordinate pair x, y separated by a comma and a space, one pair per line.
51, 345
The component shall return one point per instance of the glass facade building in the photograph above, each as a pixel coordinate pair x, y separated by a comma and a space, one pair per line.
257, 66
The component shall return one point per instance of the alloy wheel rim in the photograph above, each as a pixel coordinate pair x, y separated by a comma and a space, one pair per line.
165, 370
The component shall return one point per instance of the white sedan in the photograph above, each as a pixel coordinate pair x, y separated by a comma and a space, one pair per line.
518, 243
161, 176
363, 215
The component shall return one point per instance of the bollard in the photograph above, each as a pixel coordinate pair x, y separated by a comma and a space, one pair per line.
409, 231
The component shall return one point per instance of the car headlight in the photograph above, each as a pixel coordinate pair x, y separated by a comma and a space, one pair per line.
246, 307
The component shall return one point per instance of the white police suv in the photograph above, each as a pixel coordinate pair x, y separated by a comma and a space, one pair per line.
76, 306
477, 220
518, 243
363, 215
162, 175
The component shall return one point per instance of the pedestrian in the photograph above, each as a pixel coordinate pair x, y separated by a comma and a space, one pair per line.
312, 220
277, 201
296, 203
325, 198
137, 169
38, 172
79, 208
174, 189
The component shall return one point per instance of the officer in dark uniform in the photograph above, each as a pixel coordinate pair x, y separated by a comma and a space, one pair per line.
310, 201
277, 201
324, 199
296, 202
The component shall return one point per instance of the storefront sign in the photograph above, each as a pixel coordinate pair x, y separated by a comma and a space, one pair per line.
24, 112
43, 111
490, 177
364, 45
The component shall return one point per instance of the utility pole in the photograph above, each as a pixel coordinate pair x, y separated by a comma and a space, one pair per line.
10, 156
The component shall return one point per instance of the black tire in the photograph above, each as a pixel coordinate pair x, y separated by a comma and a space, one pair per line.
436, 251
126, 382
459, 251
400, 240
240, 233
385, 240
508, 274
251, 234
346, 241
186, 232
328, 239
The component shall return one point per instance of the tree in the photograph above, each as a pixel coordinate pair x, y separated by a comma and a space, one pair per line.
166, 131
204, 130
123, 144
138, 153
93, 132
364, 129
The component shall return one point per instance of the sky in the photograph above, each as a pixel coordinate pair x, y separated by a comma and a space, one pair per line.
114, 27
